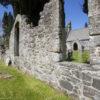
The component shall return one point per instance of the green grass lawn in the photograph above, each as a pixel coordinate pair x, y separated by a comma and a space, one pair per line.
24, 87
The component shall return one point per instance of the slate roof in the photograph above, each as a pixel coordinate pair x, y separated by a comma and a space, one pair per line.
79, 34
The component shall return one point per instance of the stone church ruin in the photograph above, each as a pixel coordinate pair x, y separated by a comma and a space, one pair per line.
38, 46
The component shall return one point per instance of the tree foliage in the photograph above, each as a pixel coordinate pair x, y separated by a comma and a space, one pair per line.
8, 21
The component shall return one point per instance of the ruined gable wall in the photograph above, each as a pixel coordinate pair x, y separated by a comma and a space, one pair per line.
44, 43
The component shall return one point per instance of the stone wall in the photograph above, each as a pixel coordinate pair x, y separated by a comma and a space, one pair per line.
94, 16
84, 43
94, 27
44, 43
81, 81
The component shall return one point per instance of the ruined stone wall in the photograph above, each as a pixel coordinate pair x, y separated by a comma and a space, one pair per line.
81, 81
44, 43
94, 17
94, 27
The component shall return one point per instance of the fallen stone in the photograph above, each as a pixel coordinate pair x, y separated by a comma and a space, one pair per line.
96, 83
66, 85
5, 75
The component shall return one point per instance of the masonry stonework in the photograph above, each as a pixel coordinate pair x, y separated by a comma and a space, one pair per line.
94, 26
41, 48
45, 41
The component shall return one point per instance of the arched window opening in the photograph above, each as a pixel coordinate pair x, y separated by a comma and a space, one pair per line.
75, 46
16, 39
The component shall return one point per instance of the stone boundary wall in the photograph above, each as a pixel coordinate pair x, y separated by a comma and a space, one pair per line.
80, 81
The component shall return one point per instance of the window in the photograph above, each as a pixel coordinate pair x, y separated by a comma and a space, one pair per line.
16, 40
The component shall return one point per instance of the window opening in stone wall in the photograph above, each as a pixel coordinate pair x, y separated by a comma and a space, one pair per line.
16, 40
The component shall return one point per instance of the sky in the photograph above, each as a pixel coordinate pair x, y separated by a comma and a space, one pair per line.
73, 13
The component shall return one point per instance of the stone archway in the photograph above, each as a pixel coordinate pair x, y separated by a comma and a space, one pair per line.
16, 40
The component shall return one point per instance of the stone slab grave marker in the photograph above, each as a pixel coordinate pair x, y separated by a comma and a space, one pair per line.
5, 75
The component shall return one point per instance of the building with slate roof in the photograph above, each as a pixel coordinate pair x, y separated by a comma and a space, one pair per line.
78, 39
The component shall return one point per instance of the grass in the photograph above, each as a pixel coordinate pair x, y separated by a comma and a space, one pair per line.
85, 57
25, 87
76, 56
81, 57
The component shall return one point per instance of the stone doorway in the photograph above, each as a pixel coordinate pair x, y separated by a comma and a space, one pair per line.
75, 46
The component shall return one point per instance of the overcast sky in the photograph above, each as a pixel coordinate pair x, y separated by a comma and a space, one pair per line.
73, 13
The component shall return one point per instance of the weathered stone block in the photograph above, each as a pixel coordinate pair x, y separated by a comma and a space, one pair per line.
88, 92
76, 90
74, 97
97, 97
96, 83
66, 85
5, 76
87, 83
86, 77
73, 80
77, 74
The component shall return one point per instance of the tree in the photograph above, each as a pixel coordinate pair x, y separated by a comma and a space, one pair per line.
8, 21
